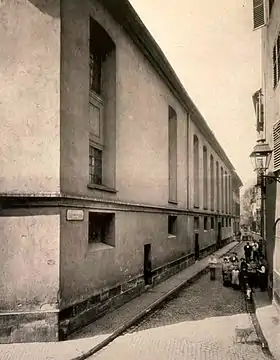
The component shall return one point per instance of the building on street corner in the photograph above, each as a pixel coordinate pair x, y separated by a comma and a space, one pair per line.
111, 179
267, 106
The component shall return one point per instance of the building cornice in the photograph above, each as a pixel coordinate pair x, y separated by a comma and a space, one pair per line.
125, 15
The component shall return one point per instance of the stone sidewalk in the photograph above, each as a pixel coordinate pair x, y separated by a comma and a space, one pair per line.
82, 343
269, 320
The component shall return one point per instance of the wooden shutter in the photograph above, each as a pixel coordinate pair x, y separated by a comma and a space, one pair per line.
258, 13
276, 146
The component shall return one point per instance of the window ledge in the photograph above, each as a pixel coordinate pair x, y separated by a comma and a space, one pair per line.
173, 202
102, 188
99, 246
171, 236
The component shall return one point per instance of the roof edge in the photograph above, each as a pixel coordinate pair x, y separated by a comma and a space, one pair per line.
124, 13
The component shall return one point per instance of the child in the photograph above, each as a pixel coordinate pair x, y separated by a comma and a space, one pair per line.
212, 265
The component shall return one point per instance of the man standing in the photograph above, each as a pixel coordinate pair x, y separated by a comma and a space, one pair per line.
212, 265
255, 248
247, 251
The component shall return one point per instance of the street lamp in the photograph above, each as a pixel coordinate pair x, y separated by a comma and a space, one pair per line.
261, 157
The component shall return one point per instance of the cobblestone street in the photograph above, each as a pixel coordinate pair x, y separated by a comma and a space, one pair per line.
198, 324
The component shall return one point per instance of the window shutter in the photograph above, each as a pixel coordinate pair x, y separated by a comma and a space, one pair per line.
258, 13
276, 146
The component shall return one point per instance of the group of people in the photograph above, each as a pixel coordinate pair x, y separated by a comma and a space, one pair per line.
246, 273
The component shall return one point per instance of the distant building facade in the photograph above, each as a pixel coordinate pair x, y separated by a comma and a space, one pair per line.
267, 105
111, 180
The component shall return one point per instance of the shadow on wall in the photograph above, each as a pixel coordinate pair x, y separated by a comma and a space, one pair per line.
270, 235
50, 7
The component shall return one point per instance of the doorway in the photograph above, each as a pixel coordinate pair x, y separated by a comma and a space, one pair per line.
147, 264
196, 246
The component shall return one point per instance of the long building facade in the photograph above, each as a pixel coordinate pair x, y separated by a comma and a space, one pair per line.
267, 103
111, 180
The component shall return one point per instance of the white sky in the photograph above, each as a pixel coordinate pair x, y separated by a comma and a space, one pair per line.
216, 54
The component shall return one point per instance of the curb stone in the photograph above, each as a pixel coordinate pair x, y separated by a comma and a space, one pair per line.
156, 304
258, 329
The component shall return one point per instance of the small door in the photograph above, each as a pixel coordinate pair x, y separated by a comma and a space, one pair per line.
219, 235
147, 264
196, 246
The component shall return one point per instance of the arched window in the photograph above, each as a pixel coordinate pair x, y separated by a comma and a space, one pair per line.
212, 182
196, 170
205, 178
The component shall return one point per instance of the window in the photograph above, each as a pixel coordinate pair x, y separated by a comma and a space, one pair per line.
172, 153
196, 170
196, 223
258, 13
172, 225
226, 192
205, 223
95, 165
212, 223
212, 182
217, 187
101, 86
205, 178
276, 62
222, 190
101, 228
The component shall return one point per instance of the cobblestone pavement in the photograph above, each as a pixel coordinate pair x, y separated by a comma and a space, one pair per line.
198, 324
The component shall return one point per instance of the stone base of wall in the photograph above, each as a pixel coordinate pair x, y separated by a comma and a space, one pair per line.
28, 327
38, 327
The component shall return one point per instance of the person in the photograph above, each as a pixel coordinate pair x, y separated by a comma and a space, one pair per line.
248, 292
247, 251
255, 249
235, 277
243, 274
262, 276
212, 265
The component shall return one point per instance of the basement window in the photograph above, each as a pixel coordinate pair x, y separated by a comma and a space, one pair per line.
205, 223
101, 228
172, 226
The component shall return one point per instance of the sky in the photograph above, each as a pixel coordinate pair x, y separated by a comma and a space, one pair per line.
216, 54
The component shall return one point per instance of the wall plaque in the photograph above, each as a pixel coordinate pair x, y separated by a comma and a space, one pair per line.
75, 215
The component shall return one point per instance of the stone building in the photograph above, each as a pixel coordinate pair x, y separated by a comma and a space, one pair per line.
267, 104
111, 180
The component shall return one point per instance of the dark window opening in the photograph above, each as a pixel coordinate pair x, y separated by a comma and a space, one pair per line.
172, 225
101, 228
212, 223
205, 223
196, 223
100, 45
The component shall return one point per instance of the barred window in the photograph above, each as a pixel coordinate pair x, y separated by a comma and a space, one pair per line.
95, 165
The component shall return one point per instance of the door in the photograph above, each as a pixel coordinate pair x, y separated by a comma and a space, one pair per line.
147, 264
196, 246
219, 235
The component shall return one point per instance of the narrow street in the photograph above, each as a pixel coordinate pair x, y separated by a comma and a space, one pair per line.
198, 324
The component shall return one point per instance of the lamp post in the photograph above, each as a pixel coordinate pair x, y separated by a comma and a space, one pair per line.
260, 158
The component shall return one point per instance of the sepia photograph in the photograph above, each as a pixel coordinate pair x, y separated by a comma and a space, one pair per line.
139, 178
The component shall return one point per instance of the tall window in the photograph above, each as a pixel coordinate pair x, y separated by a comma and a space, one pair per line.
217, 186
196, 170
172, 151
205, 178
226, 192
212, 182
222, 190
101, 68
230, 195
